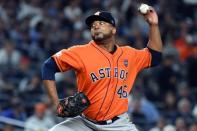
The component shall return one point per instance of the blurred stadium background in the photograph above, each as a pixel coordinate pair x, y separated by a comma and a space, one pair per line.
164, 98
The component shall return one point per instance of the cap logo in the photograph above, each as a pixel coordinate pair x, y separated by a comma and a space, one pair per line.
97, 13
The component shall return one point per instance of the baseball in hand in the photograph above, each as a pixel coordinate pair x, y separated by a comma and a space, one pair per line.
144, 8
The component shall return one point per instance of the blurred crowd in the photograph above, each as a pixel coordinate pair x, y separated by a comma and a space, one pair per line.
164, 97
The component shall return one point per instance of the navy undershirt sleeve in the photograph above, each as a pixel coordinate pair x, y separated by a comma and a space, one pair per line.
156, 57
49, 68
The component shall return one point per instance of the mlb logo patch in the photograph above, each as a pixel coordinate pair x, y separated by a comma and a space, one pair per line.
126, 62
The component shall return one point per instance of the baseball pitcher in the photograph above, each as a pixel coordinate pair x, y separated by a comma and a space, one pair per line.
105, 75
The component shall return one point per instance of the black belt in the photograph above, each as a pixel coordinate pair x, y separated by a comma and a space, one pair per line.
107, 121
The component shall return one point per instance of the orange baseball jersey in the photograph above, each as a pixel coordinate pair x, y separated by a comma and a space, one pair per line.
105, 78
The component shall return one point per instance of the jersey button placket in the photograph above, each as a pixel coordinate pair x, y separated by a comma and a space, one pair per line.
111, 87
112, 71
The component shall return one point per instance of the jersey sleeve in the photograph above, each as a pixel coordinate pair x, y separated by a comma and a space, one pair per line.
142, 58
67, 59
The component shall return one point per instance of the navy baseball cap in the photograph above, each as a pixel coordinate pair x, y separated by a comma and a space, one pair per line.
101, 16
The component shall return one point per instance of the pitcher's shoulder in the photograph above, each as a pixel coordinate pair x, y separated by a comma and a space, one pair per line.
78, 47
126, 47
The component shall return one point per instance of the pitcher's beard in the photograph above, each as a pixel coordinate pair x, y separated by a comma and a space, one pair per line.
101, 37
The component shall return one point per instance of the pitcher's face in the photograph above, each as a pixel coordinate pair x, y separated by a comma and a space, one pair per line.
101, 30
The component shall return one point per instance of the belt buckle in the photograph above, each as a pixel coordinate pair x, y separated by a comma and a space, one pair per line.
109, 121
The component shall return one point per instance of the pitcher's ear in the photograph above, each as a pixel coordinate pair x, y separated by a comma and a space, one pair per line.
114, 30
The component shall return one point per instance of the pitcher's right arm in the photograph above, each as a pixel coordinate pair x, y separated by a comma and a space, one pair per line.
49, 69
